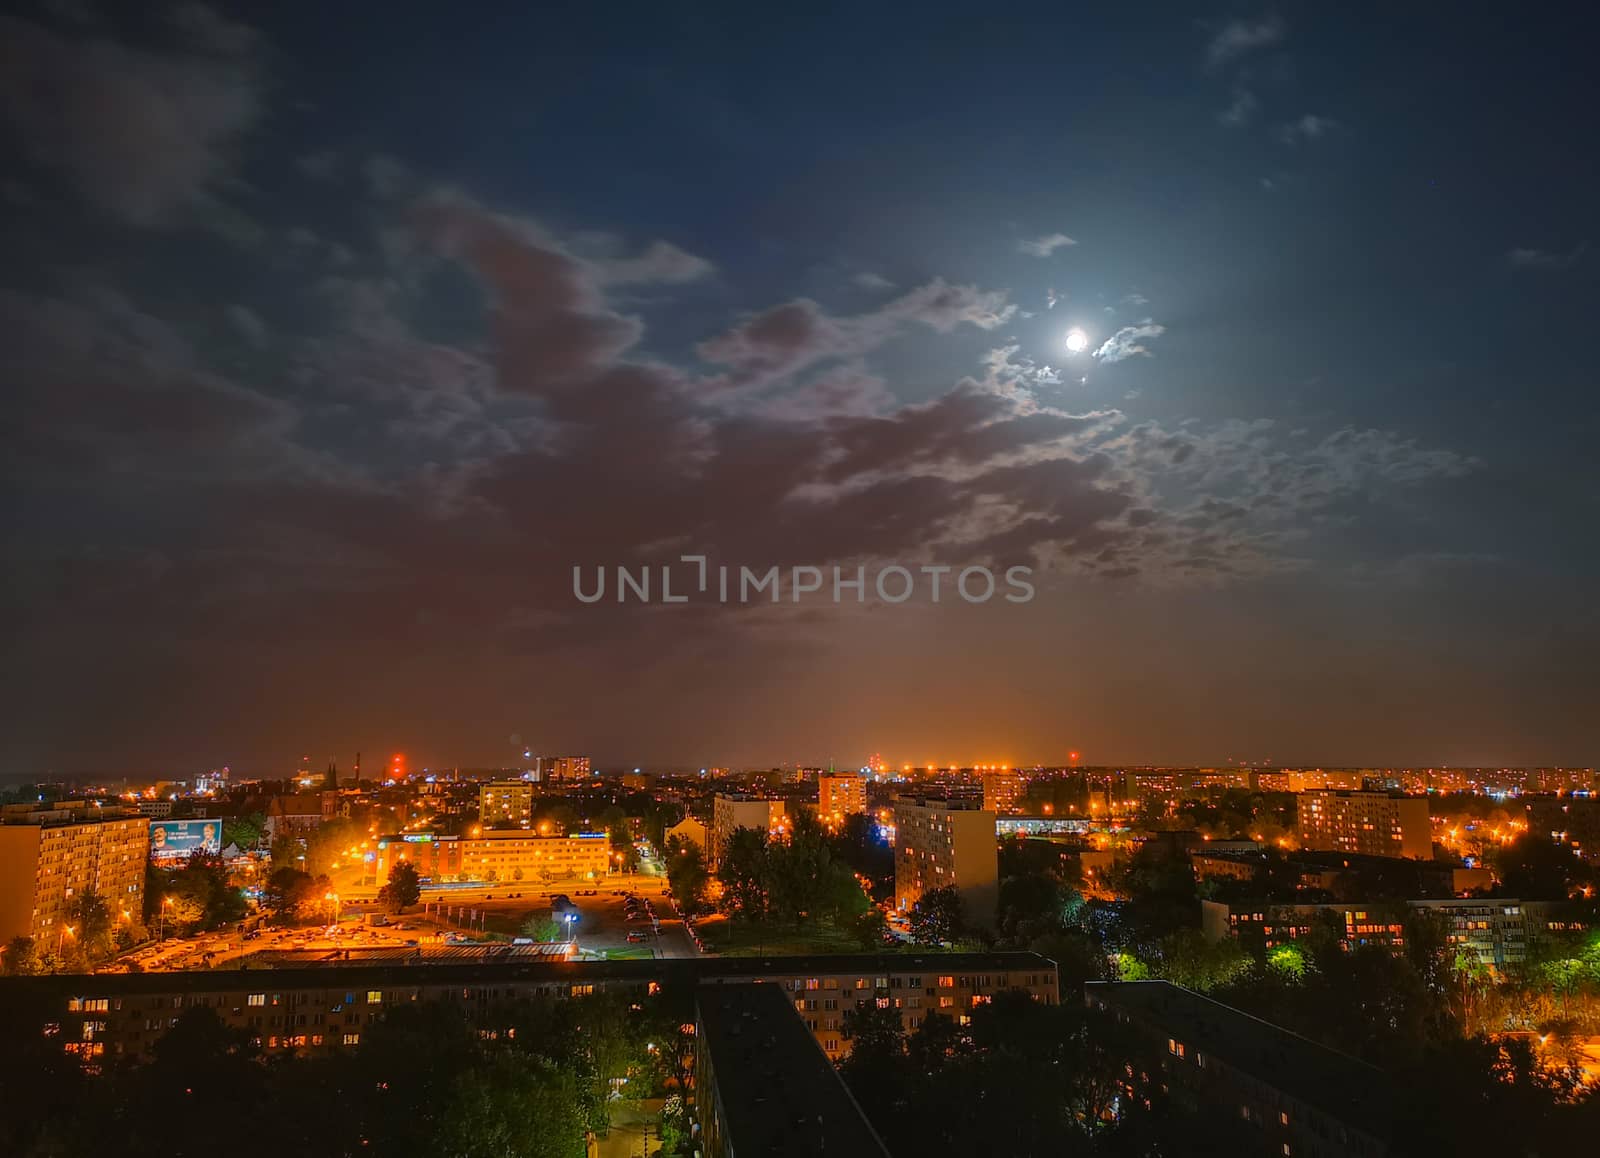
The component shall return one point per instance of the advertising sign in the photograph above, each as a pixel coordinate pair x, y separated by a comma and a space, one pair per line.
176, 839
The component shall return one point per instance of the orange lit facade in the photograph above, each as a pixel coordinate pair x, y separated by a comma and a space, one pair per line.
839, 794
1372, 823
506, 856
943, 843
506, 800
1003, 789
48, 860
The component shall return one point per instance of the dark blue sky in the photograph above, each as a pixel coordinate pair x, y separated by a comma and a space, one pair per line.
341, 340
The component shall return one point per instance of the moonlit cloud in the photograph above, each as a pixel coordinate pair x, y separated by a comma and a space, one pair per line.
1128, 342
1046, 245
1239, 37
1528, 258
1307, 128
1241, 110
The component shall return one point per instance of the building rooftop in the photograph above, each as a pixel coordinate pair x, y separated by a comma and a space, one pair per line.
513, 969
777, 1091
1339, 1085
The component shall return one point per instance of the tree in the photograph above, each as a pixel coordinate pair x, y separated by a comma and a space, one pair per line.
513, 1105
686, 874
92, 918
289, 893
542, 929
405, 885
743, 873
870, 929
21, 958
245, 831
936, 917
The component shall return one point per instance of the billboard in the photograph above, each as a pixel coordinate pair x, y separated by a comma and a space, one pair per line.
179, 838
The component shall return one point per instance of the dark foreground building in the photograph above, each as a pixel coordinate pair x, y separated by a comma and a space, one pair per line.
762, 1084
1298, 1098
311, 1010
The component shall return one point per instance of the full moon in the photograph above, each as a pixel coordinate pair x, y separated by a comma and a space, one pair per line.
1077, 341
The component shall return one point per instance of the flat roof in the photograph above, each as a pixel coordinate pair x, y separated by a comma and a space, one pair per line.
689, 970
778, 1092
1344, 1087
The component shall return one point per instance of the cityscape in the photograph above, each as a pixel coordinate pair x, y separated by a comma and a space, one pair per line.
712, 581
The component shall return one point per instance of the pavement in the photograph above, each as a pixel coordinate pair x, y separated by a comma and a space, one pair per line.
633, 1130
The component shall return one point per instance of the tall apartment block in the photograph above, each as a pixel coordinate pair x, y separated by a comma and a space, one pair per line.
51, 856
941, 843
547, 769
1003, 791
839, 794
1373, 823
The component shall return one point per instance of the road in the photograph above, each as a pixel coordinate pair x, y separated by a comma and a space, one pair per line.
602, 923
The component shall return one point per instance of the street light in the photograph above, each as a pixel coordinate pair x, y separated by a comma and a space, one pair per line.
166, 903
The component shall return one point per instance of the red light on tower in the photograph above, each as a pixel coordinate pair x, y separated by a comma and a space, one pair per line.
1073, 756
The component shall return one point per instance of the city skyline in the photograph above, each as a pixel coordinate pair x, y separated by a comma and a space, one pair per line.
1259, 340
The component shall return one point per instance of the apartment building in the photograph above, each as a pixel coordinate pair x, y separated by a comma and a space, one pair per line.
763, 1087
1003, 790
1373, 823
311, 1010
839, 794
51, 856
509, 855
1294, 1096
941, 843
730, 812
506, 801
1498, 931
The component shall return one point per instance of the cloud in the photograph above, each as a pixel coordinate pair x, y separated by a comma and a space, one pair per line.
1126, 342
1238, 38
1044, 246
143, 134
1307, 128
1527, 258
248, 323
1241, 111
872, 281
661, 263
788, 338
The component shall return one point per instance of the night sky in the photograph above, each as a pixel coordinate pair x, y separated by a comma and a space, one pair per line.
336, 335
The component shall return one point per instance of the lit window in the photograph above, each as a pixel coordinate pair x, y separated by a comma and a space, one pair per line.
352, 1039
374, 997
256, 999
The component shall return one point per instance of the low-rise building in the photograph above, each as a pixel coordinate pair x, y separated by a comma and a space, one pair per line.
508, 855
691, 830
298, 814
